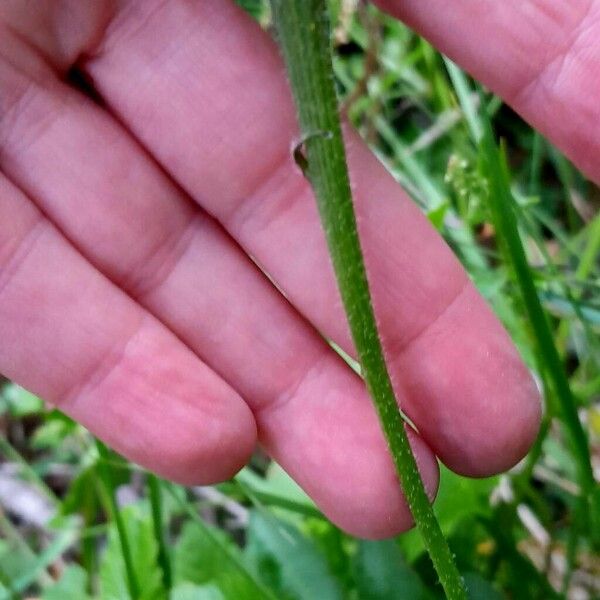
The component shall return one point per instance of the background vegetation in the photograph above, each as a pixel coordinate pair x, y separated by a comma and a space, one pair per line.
77, 521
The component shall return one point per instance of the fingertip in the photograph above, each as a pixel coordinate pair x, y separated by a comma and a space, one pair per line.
379, 509
389, 513
196, 456
511, 429
471, 396
327, 436
164, 409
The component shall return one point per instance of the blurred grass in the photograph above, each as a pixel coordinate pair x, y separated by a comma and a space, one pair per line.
525, 534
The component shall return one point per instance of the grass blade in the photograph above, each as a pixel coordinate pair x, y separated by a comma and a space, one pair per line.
501, 205
107, 480
155, 494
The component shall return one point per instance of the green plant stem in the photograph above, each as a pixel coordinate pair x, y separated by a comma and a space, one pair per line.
155, 493
107, 480
303, 33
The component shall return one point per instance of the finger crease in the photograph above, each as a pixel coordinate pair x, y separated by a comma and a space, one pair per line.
101, 369
22, 250
276, 183
394, 351
161, 261
557, 59
312, 371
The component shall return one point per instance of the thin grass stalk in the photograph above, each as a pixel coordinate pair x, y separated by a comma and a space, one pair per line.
108, 482
463, 93
12, 454
501, 203
303, 32
505, 222
537, 159
504, 213
591, 250
245, 482
155, 494
11, 533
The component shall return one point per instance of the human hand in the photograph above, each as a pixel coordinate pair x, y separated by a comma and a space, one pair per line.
127, 297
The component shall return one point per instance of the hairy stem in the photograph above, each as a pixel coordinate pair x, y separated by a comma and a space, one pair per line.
303, 32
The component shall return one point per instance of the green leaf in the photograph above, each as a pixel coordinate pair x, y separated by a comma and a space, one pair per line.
21, 403
50, 434
437, 214
337, 547
480, 589
189, 591
256, 8
72, 585
14, 563
278, 491
458, 498
288, 561
381, 573
81, 496
18, 567
196, 558
113, 581
202, 556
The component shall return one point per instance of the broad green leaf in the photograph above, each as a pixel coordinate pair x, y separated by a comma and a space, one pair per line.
20, 402
280, 482
480, 589
50, 434
13, 564
458, 498
197, 558
337, 547
288, 561
144, 552
19, 567
72, 585
81, 497
381, 573
278, 490
255, 8
189, 591
204, 556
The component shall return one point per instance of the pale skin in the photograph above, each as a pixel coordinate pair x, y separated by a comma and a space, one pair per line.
127, 295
